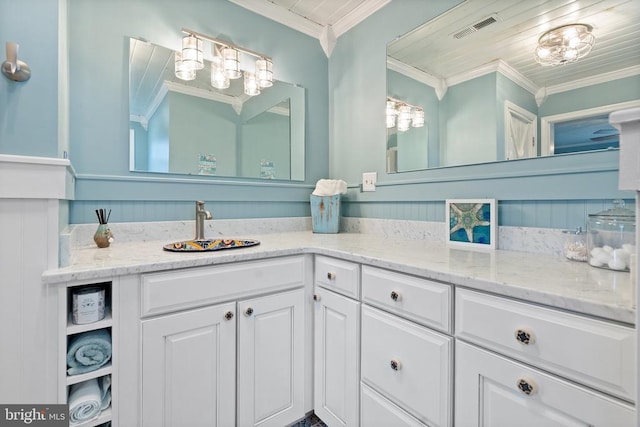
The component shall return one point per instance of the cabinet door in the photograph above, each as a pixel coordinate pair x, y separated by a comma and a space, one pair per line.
271, 359
336, 358
376, 411
492, 390
188, 368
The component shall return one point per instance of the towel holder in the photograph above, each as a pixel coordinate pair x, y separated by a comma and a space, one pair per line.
13, 68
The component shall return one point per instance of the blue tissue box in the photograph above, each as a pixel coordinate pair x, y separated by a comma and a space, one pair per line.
325, 213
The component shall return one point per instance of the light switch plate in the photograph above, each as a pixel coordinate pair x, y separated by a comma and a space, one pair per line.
369, 181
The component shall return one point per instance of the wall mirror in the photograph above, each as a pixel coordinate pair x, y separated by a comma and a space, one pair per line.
189, 127
474, 73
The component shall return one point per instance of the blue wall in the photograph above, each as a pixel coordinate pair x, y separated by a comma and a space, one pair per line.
99, 122
29, 110
552, 192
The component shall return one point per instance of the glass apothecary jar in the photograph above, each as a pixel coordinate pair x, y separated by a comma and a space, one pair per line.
611, 237
575, 245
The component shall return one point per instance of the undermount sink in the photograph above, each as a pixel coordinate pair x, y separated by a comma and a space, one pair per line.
208, 245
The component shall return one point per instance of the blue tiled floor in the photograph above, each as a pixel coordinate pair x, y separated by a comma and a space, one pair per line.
311, 421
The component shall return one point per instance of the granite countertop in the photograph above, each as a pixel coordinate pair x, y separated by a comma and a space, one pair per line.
539, 278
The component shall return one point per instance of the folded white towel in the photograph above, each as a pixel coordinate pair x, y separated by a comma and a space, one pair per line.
88, 398
330, 187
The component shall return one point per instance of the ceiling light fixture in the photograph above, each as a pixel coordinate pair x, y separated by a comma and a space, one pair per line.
564, 44
402, 115
225, 64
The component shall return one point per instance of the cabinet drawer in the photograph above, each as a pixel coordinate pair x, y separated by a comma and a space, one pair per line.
589, 351
492, 390
408, 364
340, 276
178, 290
420, 300
376, 411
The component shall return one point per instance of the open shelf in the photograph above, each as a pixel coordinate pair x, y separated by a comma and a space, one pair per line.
107, 322
105, 370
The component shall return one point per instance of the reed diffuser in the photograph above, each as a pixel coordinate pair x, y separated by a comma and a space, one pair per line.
103, 236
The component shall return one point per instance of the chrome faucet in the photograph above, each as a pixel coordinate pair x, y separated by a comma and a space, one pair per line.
201, 215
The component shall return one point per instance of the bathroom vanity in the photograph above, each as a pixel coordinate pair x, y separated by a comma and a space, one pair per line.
361, 330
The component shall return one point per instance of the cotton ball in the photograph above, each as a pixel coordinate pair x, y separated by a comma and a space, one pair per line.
603, 257
596, 262
596, 251
607, 248
629, 248
621, 254
617, 264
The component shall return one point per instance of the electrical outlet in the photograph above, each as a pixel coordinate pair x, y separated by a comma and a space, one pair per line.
369, 181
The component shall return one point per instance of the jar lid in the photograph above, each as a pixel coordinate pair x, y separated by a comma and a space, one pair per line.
617, 212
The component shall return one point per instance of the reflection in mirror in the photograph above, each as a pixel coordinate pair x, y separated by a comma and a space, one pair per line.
406, 129
485, 97
189, 127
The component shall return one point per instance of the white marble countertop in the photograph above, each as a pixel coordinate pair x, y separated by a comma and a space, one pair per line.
538, 278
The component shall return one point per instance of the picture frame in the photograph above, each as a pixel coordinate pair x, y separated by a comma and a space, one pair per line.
472, 223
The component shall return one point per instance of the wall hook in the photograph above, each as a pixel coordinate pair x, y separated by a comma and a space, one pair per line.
13, 68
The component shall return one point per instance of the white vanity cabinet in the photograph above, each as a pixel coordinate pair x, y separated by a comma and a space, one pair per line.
520, 364
336, 341
213, 354
407, 367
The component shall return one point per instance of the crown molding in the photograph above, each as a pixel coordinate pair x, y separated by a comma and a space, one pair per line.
357, 15
439, 85
326, 34
282, 15
600, 78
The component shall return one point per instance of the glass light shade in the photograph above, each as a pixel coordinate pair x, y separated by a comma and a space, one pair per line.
182, 71
391, 121
219, 78
404, 113
251, 86
417, 117
264, 72
232, 62
391, 108
403, 125
564, 44
192, 56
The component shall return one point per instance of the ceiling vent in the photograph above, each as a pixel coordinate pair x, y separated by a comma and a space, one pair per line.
483, 23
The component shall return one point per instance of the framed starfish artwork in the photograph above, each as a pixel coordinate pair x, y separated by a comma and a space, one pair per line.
472, 223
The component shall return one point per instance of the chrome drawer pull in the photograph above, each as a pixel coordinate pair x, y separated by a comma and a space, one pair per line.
527, 386
228, 315
524, 336
331, 276
395, 365
248, 311
395, 296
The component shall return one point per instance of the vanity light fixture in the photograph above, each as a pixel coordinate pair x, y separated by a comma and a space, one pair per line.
403, 115
225, 64
565, 44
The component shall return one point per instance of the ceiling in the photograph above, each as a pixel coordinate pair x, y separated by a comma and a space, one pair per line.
512, 39
432, 49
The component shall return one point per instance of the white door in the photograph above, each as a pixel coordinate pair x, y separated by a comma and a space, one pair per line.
336, 358
271, 359
188, 368
491, 390
520, 132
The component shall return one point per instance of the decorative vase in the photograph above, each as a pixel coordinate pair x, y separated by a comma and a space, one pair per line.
103, 236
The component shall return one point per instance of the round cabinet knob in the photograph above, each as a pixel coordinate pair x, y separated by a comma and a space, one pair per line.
395, 364
524, 336
228, 315
316, 297
395, 295
527, 386
248, 311
331, 276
